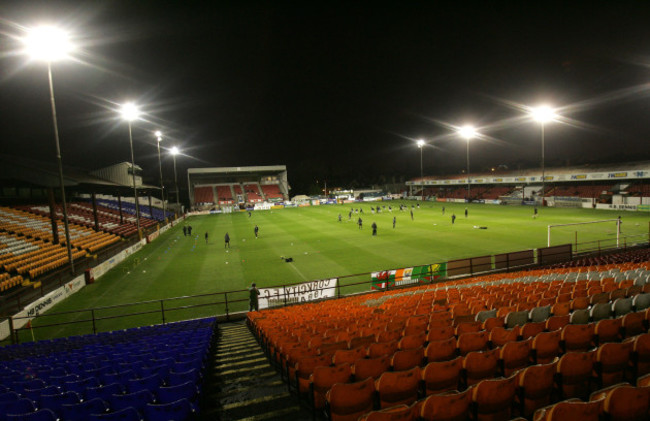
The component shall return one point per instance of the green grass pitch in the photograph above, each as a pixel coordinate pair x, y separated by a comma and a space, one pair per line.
321, 247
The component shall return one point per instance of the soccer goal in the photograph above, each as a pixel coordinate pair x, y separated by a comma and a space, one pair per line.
602, 230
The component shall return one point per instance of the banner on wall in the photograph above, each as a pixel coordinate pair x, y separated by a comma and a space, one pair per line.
414, 275
301, 293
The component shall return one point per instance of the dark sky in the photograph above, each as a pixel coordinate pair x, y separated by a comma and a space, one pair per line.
336, 91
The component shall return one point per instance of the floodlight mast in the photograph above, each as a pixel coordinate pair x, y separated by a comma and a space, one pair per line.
467, 132
174, 151
158, 135
51, 44
543, 114
130, 112
421, 145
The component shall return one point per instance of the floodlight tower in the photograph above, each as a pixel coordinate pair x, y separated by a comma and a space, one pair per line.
158, 134
543, 114
467, 133
174, 151
421, 145
51, 44
130, 112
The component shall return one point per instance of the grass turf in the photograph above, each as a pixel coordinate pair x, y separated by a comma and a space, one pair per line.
322, 247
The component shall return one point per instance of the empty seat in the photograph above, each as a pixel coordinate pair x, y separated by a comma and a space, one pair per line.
178, 410
577, 337
348, 401
516, 318
612, 360
43, 414
398, 387
81, 411
412, 341
633, 324
499, 336
407, 359
378, 349
627, 403
493, 398
557, 322
514, 355
641, 302
322, 379
579, 317
574, 371
440, 333
454, 406
442, 376
608, 330
394, 413
535, 384
442, 350
539, 314
570, 410
370, 367
480, 365
348, 355
600, 311
622, 306
545, 347
473, 341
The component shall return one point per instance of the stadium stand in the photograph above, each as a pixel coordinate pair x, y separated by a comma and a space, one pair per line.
504, 355
156, 372
146, 219
204, 194
271, 191
252, 193
224, 194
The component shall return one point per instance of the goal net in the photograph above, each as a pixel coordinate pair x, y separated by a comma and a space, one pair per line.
586, 236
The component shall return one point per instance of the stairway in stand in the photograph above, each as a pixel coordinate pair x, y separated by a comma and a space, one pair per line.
242, 385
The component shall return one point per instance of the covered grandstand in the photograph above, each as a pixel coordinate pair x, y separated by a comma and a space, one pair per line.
102, 221
231, 186
616, 185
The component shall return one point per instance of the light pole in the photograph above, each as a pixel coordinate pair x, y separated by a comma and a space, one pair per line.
421, 145
467, 132
130, 112
542, 115
158, 134
174, 151
51, 44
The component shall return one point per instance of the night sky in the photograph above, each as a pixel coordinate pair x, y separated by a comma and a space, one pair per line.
336, 91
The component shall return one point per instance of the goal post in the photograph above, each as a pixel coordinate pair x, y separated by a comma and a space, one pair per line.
616, 221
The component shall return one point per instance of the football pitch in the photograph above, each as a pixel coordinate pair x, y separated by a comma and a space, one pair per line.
321, 247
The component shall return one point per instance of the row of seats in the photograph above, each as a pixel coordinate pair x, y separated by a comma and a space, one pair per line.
150, 373
349, 390
9, 282
479, 318
622, 402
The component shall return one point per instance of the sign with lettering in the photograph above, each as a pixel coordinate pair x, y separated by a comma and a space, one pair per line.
301, 293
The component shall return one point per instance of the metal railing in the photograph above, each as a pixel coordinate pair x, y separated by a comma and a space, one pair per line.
235, 303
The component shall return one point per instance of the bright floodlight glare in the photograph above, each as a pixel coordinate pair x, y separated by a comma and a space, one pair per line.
174, 150
420, 143
130, 111
467, 132
158, 134
543, 114
47, 43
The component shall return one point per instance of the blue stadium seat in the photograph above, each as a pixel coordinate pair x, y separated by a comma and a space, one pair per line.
126, 414
18, 406
137, 400
54, 402
20, 386
193, 375
35, 394
40, 415
104, 392
81, 385
178, 410
9, 396
187, 390
151, 383
82, 411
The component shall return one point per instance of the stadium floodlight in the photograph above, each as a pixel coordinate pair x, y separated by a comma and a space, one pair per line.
467, 132
543, 114
50, 44
421, 144
130, 112
158, 135
174, 151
